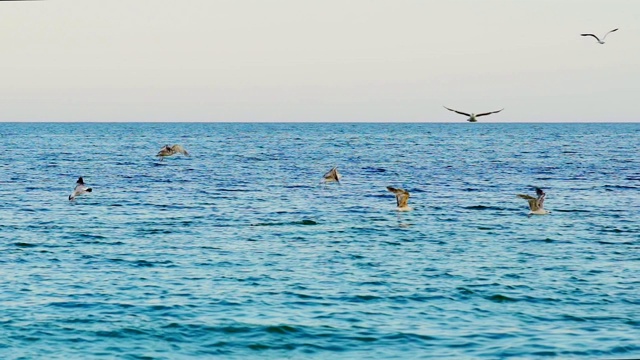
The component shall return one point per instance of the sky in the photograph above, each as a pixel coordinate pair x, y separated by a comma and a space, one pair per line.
319, 61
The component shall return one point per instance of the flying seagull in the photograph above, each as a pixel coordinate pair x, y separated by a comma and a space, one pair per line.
473, 117
597, 38
402, 198
332, 175
536, 203
80, 189
171, 150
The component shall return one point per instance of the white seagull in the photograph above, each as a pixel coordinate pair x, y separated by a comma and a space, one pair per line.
331, 176
402, 198
171, 150
80, 189
597, 38
536, 203
473, 117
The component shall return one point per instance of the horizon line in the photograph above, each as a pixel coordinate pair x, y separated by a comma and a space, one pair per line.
311, 122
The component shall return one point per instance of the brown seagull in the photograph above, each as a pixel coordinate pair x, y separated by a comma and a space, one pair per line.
536, 203
402, 198
171, 150
332, 175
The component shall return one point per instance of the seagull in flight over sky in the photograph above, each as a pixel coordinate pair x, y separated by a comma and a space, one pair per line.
535, 203
473, 117
597, 38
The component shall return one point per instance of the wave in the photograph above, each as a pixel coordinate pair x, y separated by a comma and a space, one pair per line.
602, 242
484, 207
301, 222
25, 245
617, 230
501, 298
623, 187
372, 169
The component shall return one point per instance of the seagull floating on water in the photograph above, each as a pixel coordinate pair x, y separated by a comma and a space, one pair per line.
473, 117
171, 150
80, 189
332, 176
402, 198
536, 203
597, 38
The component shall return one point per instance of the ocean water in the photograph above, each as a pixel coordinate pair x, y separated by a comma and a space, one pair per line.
239, 252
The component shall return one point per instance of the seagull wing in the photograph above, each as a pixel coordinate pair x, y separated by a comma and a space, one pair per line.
533, 202
540, 199
331, 174
456, 111
489, 113
591, 35
179, 149
402, 199
402, 196
165, 151
605, 35
80, 189
526, 197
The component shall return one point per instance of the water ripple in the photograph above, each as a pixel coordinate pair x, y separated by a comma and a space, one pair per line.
240, 252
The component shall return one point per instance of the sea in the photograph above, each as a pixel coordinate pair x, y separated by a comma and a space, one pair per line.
240, 251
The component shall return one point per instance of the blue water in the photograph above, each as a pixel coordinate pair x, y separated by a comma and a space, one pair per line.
238, 252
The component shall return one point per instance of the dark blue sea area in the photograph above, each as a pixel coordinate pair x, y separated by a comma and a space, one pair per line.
240, 252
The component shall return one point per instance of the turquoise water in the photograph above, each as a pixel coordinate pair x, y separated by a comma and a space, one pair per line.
238, 252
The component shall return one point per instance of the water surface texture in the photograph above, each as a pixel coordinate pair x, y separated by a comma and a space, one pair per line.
239, 252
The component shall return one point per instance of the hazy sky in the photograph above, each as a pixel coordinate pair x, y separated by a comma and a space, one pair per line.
324, 60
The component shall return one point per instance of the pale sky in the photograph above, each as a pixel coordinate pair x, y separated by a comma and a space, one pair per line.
322, 61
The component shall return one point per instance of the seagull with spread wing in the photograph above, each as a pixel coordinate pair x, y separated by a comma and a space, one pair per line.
473, 117
332, 176
536, 203
80, 189
171, 150
597, 38
402, 198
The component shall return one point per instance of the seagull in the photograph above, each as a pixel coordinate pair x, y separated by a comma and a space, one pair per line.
536, 203
597, 38
331, 176
171, 150
472, 116
402, 198
80, 189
